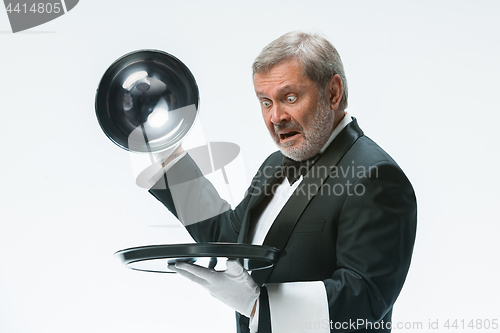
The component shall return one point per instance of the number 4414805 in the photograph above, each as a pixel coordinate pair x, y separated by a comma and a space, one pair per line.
472, 324
36, 8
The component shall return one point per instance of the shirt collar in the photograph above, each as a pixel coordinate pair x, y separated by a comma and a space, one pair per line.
343, 123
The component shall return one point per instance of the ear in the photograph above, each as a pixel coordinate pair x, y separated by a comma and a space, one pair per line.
334, 90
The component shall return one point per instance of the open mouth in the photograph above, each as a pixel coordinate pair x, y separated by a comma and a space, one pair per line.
288, 135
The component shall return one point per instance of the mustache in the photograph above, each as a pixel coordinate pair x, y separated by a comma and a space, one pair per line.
293, 125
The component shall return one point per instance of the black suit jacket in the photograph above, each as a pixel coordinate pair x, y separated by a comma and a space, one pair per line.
354, 223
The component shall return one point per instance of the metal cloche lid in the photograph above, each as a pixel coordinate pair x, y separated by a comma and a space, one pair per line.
147, 101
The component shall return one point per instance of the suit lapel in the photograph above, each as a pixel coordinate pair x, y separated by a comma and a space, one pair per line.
259, 198
283, 226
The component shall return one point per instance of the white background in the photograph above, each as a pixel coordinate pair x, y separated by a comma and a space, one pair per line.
423, 82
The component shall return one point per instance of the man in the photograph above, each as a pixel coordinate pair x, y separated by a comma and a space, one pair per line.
345, 214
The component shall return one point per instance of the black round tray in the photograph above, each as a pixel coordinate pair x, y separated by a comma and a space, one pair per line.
155, 258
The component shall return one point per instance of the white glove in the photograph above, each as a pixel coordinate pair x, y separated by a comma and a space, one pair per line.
234, 286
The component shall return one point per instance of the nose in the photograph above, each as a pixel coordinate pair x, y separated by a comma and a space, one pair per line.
278, 114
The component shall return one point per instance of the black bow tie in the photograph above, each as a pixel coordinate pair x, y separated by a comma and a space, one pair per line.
294, 169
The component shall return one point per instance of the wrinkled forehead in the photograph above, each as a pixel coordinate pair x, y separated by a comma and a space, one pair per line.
281, 78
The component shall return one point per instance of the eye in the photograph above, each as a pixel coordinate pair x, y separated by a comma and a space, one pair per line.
266, 103
291, 99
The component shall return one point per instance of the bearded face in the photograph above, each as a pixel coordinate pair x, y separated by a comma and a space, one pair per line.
315, 135
297, 114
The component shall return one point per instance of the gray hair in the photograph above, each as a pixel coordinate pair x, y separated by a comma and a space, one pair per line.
319, 58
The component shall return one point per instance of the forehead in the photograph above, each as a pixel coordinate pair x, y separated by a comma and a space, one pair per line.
282, 77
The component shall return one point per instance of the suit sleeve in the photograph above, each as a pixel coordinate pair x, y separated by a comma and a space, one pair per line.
195, 202
376, 233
